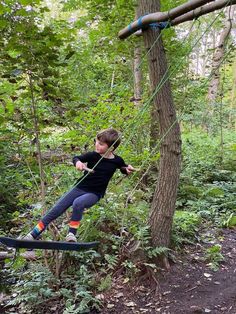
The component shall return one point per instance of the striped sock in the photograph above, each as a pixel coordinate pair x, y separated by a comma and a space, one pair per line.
73, 226
38, 229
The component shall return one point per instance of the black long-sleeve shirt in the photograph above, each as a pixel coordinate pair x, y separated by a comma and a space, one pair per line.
97, 182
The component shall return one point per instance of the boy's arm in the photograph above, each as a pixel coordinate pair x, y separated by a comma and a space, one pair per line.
78, 161
129, 169
78, 164
126, 169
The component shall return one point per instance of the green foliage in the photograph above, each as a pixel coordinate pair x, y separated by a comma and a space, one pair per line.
105, 283
229, 221
207, 185
185, 227
111, 260
82, 82
37, 285
34, 286
131, 268
158, 251
214, 256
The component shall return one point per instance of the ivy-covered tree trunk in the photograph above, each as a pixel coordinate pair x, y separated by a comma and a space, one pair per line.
164, 116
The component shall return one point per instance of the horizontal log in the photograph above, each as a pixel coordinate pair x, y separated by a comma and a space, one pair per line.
217, 5
160, 17
180, 14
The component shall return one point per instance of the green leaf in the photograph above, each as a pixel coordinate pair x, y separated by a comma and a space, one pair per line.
231, 221
10, 106
29, 2
3, 23
13, 53
4, 9
215, 192
22, 12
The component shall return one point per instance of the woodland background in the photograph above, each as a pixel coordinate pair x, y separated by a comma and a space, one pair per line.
64, 76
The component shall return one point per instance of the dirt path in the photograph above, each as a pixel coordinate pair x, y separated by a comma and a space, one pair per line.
190, 287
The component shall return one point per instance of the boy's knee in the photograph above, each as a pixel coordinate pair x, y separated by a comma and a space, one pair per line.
84, 202
78, 205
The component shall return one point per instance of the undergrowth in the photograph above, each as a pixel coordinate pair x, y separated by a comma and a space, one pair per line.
206, 196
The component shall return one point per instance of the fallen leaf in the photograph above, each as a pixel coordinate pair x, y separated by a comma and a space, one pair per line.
207, 275
100, 296
110, 305
131, 304
166, 292
196, 309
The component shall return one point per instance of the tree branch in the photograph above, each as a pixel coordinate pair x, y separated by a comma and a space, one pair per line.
202, 11
180, 14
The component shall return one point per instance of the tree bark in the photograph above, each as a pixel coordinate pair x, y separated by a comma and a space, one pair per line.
36, 132
137, 69
163, 205
217, 59
232, 120
213, 90
204, 56
137, 75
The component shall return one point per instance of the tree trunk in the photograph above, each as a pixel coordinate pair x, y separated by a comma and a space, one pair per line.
137, 69
38, 147
232, 120
216, 61
137, 75
163, 205
204, 56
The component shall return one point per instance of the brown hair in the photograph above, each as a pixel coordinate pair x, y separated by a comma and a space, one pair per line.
109, 136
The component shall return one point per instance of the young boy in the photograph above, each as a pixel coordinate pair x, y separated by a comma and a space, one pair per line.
90, 187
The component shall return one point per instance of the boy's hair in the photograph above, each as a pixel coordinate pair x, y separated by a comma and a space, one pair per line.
109, 136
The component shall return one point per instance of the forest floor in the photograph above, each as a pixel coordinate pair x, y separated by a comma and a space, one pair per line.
189, 287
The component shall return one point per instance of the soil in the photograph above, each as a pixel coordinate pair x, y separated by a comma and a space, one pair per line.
191, 286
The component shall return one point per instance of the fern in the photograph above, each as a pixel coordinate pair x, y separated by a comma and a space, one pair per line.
112, 260
158, 251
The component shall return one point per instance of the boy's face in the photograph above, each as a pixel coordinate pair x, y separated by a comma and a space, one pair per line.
100, 147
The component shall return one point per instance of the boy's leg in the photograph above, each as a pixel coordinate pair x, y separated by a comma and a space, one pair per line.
57, 210
86, 200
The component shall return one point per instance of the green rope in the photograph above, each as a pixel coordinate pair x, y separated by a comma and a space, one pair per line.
154, 150
159, 86
163, 79
144, 108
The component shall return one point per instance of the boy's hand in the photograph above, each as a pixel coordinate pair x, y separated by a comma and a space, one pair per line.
80, 166
129, 169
